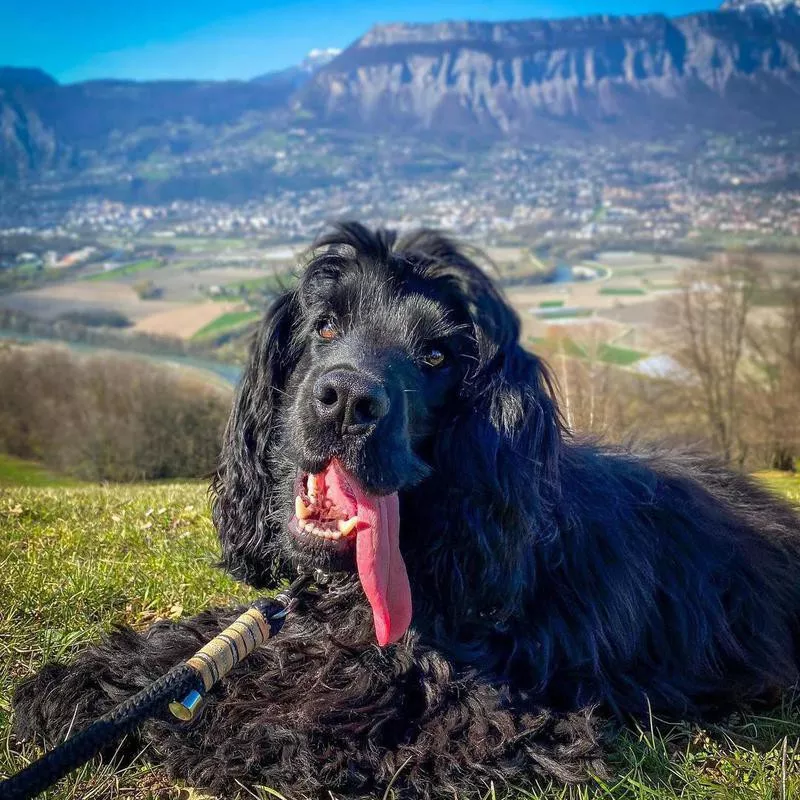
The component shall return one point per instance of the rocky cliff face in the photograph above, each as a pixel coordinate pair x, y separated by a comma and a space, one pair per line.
637, 74
763, 6
45, 126
26, 143
737, 68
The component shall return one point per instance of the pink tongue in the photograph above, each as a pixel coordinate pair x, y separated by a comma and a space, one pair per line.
381, 568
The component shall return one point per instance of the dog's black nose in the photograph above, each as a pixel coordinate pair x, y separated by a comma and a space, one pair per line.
350, 400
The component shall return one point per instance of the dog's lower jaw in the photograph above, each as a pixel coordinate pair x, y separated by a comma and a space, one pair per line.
327, 558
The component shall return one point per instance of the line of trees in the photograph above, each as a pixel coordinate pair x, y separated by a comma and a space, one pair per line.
108, 417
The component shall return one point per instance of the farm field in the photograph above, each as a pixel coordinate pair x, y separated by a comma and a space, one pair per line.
185, 321
158, 549
187, 294
189, 281
624, 302
51, 302
628, 279
135, 269
230, 321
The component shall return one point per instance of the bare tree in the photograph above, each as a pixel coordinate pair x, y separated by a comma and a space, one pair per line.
773, 384
587, 380
708, 320
597, 396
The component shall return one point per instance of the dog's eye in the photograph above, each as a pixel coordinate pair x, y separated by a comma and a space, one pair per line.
327, 331
433, 358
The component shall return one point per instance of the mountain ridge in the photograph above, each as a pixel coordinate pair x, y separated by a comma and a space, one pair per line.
504, 78
619, 76
770, 6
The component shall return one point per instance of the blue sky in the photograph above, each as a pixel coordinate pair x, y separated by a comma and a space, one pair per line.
218, 39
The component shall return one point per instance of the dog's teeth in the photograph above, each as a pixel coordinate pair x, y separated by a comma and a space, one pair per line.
301, 510
323, 530
311, 487
347, 526
331, 529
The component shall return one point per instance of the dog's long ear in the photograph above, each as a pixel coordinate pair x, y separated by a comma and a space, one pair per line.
511, 412
507, 417
496, 461
507, 424
243, 482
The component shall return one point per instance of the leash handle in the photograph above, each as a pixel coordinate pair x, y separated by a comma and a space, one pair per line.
216, 659
246, 634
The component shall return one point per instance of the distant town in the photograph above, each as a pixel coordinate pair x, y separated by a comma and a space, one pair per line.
715, 189
586, 237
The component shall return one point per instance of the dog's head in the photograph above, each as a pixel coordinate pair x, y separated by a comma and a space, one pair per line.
383, 392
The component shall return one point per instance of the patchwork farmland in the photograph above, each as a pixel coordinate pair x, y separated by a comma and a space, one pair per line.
200, 290
210, 291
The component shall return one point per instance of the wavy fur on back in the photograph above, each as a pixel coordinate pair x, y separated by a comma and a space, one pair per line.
550, 577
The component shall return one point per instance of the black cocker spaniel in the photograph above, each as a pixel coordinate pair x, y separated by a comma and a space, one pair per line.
496, 585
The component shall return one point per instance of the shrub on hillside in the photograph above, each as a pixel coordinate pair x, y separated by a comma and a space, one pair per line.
147, 290
108, 417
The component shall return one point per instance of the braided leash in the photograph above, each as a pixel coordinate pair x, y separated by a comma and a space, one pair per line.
182, 688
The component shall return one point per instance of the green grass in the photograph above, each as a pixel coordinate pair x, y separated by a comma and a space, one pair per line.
623, 291
198, 244
17, 472
77, 560
605, 353
769, 298
278, 282
273, 284
145, 265
567, 313
551, 304
665, 286
619, 356
785, 483
630, 272
225, 323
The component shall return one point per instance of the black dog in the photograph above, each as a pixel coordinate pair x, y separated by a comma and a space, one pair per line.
494, 579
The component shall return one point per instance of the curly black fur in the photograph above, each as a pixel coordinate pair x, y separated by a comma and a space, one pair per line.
549, 576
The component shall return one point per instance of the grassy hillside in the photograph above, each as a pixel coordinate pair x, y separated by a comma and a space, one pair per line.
18, 472
78, 559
